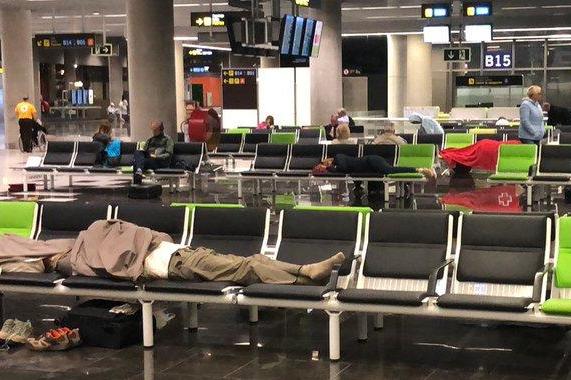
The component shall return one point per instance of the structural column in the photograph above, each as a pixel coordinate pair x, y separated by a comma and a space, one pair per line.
17, 60
70, 71
326, 70
180, 82
419, 72
115, 79
152, 92
396, 73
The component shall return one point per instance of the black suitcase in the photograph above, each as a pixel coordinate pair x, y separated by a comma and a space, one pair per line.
100, 328
145, 191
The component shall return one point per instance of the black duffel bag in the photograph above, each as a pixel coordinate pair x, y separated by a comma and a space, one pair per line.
99, 327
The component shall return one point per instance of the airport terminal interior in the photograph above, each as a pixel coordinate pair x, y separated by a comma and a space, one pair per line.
285, 189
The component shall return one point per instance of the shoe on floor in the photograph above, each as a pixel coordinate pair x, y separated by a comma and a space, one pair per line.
7, 329
22, 331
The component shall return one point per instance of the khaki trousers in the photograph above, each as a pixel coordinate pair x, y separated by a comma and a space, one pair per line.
207, 265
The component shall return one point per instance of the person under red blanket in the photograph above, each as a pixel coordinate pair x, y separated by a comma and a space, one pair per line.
482, 155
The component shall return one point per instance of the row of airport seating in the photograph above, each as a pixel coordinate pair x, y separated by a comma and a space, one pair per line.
433, 264
73, 159
529, 165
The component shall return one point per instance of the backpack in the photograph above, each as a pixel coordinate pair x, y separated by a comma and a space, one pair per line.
113, 149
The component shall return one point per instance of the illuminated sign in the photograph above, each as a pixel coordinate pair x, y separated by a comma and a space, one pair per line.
436, 10
307, 3
498, 60
1, 70
199, 52
207, 19
489, 81
66, 41
105, 50
477, 8
200, 69
457, 55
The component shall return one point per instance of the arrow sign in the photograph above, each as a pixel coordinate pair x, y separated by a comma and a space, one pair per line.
105, 50
458, 55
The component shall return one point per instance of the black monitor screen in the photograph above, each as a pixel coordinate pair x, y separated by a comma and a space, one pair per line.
317, 39
298, 35
308, 37
287, 33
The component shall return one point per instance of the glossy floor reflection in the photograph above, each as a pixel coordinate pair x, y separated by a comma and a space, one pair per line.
293, 344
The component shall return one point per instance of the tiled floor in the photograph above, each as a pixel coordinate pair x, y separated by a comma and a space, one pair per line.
293, 344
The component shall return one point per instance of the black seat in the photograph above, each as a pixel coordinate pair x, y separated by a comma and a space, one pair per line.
555, 160
127, 153
498, 252
242, 233
102, 170
408, 137
87, 154
304, 158
187, 287
58, 153
67, 220
170, 220
435, 139
86, 282
347, 149
495, 136
46, 280
388, 152
251, 140
309, 236
402, 246
230, 143
186, 158
309, 136
270, 158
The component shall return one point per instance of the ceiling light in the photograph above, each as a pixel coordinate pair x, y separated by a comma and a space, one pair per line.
199, 5
186, 38
517, 8
207, 47
379, 34
555, 6
96, 13
532, 29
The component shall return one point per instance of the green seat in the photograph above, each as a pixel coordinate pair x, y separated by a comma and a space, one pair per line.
126, 169
458, 140
283, 138
362, 210
514, 162
414, 156
238, 131
18, 218
559, 303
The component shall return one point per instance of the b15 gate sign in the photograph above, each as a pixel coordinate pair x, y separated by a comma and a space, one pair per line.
498, 60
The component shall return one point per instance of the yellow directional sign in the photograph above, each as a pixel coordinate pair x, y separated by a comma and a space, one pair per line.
207, 19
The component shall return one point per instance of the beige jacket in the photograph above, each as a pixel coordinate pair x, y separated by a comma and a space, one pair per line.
389, 139
114, 248
20, 254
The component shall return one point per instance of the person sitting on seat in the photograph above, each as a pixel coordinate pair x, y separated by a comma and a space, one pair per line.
157, 153
331, 128
343, 135
103, 138
266, 124
343, 117
388, 137
428, 125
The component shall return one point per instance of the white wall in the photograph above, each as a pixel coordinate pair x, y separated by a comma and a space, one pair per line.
355, 94
276, 94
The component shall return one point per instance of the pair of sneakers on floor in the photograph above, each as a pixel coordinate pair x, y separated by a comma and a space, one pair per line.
16, 331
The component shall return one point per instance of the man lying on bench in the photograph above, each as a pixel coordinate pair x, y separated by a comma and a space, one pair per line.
367, 166
125, 251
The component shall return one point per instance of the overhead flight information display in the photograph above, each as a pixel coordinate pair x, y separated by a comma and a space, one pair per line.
239, 89
317, 39
308, 37
287, 33
297, 36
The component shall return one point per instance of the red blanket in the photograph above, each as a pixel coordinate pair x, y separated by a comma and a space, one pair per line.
500, 199
482, 155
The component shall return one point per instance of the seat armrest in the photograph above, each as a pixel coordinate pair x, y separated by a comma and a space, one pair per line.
532, 170
332, 284
433, 278
538, 281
